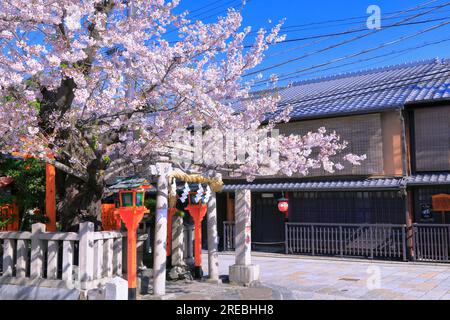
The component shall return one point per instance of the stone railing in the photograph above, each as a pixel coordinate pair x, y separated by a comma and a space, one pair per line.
60, 259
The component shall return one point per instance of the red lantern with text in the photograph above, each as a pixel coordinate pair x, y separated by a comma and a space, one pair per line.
131, 210
283, 205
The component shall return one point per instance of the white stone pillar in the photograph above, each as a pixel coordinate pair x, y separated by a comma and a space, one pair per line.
178, 242
86, 254
159, 255
37, 251
243, 272
213, 240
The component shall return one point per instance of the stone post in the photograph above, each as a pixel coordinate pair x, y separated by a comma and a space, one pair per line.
178, 242
243, 272
189, 245
86, 254
213, 240
159, 256
116, 289
37, 251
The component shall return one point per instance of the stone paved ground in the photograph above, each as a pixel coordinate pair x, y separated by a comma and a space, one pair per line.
208, 291
302, 278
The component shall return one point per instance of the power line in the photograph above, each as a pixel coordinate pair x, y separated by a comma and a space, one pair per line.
205, 6
217, 7
206, 15
237, 2
281, 52
355, 95
374, 64
357, 23
359, 30
220, 12
392, 15
336, 95
322, 38
403, 38
346, 20
400, 52
357, 17
343, 42
294, 27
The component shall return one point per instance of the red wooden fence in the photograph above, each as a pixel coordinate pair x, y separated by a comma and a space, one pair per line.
10, 213
110, 222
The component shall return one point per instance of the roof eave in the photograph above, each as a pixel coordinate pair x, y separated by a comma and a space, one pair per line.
423, 103
349, 113
427, 184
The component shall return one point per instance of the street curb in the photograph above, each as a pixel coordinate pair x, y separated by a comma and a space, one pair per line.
338, 259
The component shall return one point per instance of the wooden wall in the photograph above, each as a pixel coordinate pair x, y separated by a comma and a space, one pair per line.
392, 143
364, 134
432, 139
377, 135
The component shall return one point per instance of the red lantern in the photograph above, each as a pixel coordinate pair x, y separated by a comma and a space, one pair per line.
131, 210
198, 212
283, 205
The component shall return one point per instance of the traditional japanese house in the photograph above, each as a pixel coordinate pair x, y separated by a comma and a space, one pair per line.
399, 117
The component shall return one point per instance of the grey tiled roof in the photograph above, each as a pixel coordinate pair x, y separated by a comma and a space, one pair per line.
429, 179
342, 185
323, 185
374, 184
129, 183
368, 91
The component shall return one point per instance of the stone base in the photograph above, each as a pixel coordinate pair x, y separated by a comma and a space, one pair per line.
93, 294
14, 292
179, 273
116, 289
169, 262
165, 297
244, 275
190, 262
214, 281
198, 273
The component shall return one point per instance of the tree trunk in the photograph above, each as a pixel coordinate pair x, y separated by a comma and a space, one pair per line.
79, 200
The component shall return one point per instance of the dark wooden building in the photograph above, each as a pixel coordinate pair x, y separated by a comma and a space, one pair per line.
399, 117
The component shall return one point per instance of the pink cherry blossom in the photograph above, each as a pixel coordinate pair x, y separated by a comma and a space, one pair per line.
93, 80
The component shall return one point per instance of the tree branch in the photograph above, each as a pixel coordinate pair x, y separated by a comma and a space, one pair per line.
60, 166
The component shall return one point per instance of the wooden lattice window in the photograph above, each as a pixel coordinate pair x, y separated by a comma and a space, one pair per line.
432, 139
363, 133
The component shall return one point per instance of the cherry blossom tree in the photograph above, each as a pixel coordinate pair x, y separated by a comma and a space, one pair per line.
96, 87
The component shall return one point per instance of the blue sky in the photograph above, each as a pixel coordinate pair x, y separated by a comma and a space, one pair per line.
258, 13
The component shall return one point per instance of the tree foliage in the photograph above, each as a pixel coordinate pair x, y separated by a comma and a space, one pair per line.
29, 181
100, 87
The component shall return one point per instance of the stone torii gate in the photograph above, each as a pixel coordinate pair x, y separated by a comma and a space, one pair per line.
243, 272
165, 173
